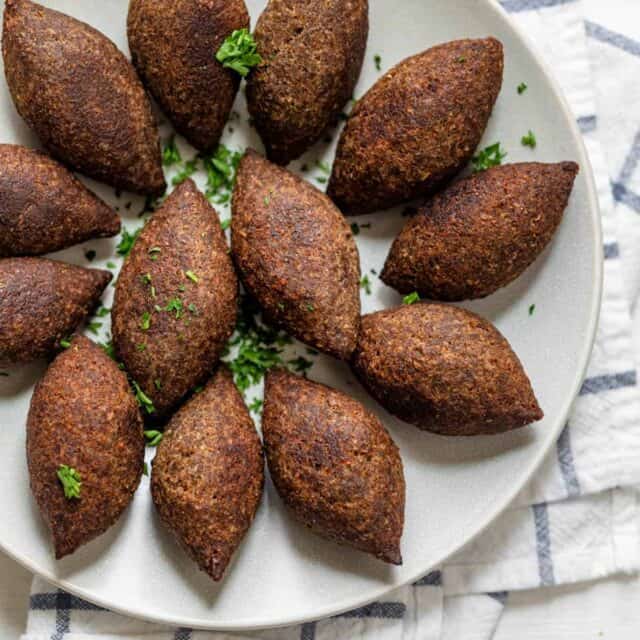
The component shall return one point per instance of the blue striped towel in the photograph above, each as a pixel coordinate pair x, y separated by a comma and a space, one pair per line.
578, 519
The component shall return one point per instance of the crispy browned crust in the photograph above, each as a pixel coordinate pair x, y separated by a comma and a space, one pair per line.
334, 465
296, 256
417, 127
445, 370
481, 233
82, 97
42, 302
83, 415
179, 353
208, 474
44, 207
312, 56
173, 47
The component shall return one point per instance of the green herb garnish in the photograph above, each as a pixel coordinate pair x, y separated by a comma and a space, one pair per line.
186, 171
154, 253
529, 140
221, 167
145, 469
108, 348
377, 60
102, 312
65, 343
365, 284
70, 480
111, 265
412, 298
127, 240
145, 321
143, 399
225, 224
492, 156
153, 437
355, 227
90, 255
256, 406
532, 309
93, 327
171, 153
300, 364
192, 276
522, 87
175, 304
239, 52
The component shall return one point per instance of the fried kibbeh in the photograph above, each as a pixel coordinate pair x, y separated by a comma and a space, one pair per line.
334, 465
173, 45
176, 299
417, 127
208, 474
445, 370
81, 97
292, 103
84, 417
44, 207
481, 233
42, 302
296, 256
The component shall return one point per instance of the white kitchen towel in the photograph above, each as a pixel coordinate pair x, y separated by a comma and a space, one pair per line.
578, 518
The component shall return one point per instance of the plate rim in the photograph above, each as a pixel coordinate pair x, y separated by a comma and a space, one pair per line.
552, 434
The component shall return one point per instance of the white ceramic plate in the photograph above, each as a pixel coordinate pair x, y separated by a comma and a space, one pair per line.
283, 574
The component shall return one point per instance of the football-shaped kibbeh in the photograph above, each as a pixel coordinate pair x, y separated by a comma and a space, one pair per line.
445, 370
481, 233
417, 127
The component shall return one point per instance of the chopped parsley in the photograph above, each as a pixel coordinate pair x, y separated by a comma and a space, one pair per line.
90, 255
141, 347
65, 343
157, 384
108, 348
225, 224
154, 253
310, 307
176, 305
532, 309
192, 276
300, 364
365, 284
127, 240
256, 406
492, 156
193, 309
461, 60
70, 480
522, 87
153, 437
321, 179
102, 312
143, 399
239, 52
221, 167
377, 60
111, 265
186, 171
171, 153
324, 167
412, 298
529, 140
145, 469
93, 327
145, 321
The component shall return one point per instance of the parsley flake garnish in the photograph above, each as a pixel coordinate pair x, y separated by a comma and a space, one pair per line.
193, 309
239, 52
127, 240
365, 284
175, 304
256, 406
153, 437
108, 348
300, 364
529, 140
225, 224
532, 309
93, 327
377, 60
90, 255
221, 167
412, 298
522, 87
186, 171
70, 480
171, 153
192, 276
143, 399
111, 265
355, 227
102, 312
492, 156
154, 253
65, 343
145, 321
145, 469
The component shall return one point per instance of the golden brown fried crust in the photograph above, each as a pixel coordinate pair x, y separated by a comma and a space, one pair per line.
481, 233
81, 97
83, 415
312, 56
334, 465
181, 347
173, 47
296, 256
44, 207
444, 370
208, 474
42, 302
417, 127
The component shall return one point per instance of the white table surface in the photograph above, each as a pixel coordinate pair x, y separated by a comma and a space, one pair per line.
607, 609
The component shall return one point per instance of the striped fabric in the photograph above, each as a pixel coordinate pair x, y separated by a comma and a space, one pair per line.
578, 518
